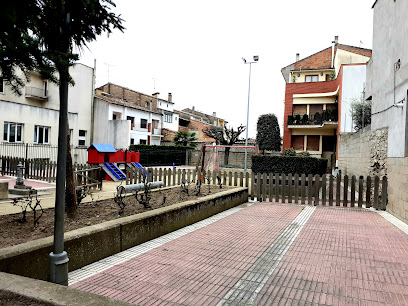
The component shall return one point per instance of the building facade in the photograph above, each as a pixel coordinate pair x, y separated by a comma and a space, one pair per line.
123, 117
32, 119
33, 116
387, 89
316, 89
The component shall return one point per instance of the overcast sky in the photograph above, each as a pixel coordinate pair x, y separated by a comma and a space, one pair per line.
193, 49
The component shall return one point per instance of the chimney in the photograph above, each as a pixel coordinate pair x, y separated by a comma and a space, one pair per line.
170, 97
297, 57
335, 43
193, 108
214, 114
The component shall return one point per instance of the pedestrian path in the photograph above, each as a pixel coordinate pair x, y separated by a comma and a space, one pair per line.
262, 254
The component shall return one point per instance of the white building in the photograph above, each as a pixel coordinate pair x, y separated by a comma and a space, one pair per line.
166, 107
123, 117
32, 118
387, 88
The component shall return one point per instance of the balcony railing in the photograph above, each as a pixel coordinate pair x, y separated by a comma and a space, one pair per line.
37, 93
316, 119
139, 127
156, 131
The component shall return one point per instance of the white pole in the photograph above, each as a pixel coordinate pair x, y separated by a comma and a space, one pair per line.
246, 138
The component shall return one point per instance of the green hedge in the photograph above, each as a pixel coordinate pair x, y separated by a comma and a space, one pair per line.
160, 155
288, 164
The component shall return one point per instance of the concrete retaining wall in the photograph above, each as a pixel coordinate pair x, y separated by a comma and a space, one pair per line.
51, 294
87, 245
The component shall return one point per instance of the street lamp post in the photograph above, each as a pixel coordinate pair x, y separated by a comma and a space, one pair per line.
256, 58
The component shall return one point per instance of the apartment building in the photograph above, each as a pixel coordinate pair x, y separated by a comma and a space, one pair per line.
32, 118
123, 116
319, 91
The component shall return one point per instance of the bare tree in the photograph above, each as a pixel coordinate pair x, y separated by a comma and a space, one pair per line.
225, 136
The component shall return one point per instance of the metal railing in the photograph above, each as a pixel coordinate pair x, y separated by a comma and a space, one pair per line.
316, 119
39, 151
139, 127
35, 92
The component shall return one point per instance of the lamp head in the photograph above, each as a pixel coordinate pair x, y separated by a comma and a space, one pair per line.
244, 60
256, 58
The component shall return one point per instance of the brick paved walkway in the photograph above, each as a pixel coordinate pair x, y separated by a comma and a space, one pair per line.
266, 254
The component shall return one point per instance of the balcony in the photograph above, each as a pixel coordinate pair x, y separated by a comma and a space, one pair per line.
326, 119
36, 93
139, 127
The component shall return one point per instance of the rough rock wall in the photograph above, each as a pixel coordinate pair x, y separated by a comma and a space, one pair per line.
364, 152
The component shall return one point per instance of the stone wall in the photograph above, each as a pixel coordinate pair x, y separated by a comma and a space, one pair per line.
364, 152
397, 187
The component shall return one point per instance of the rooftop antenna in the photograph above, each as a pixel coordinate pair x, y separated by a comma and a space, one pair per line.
109, 65
154, 84
361, 43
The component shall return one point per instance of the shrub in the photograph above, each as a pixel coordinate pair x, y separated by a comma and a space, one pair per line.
289, 152
305, 119
303, 154
151, 155
288, 164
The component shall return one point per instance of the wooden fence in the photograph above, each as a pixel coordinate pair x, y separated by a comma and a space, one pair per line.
89, 175
44, 170
326, 190
173, 177
340, 191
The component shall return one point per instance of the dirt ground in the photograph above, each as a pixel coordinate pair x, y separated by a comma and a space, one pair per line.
8, 298
13, 231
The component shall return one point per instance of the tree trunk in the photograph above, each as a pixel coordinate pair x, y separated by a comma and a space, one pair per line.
226, 155
71, 204
61, 164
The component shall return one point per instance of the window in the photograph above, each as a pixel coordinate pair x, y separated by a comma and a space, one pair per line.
41, 134
143, 141
132, 121
82, 138
13, 132
143, 123
298, 142
168, 118
312, 78
313, 143
71, 137
132, 141
146, 103
2, 85
116, 116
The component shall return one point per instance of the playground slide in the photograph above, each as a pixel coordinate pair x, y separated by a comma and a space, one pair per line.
113, 171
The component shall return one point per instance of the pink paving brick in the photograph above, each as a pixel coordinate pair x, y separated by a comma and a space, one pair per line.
205, 263
340, 257
356, 255
33, 183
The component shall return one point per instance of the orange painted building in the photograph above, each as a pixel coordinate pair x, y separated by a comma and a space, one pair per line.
313, 98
